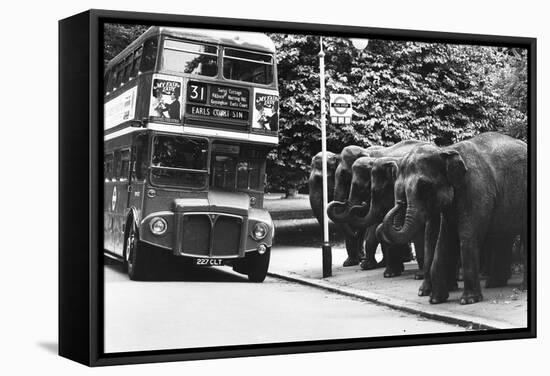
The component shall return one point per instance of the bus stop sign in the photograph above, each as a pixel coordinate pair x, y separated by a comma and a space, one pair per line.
340, 108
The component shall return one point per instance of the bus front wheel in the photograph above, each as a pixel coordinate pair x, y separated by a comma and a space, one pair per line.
257, 265
135, 255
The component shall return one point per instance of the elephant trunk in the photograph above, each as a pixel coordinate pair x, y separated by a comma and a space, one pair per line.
348, 230
362, 215
338, 211
401, 230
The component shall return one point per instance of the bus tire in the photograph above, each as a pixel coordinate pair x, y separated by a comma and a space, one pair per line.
135, 254
257, 265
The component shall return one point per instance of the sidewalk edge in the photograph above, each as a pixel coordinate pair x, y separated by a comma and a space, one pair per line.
464, 320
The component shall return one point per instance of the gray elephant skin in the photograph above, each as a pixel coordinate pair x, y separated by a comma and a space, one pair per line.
358, 165
380, 174
472, 199
354, 239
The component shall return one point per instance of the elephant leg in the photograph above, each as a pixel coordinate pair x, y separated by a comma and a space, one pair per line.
453, 266
486, 256
470, 262
371, 244
419, 250
385, 252
354, 247
431, 233
442, 262
500, 261
394, 264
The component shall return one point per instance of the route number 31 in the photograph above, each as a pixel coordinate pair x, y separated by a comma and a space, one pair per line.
196, 92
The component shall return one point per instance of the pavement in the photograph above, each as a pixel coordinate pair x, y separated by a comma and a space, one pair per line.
502, 308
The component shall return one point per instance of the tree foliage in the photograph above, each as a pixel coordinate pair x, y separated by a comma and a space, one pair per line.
117, 36
402, 90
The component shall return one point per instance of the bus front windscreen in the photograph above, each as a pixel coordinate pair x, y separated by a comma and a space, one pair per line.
179, 161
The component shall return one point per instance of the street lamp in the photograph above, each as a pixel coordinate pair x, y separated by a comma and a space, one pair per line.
326, 249
360, 44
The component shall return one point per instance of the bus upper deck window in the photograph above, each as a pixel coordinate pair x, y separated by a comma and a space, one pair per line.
192, 58
106, 78
247, 66
136, 62
149, 55
119, 71
127, 67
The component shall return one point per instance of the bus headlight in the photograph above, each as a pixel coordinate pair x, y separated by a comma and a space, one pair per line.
158, 226
259, 231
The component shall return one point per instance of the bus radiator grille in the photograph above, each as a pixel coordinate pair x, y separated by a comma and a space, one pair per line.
226, 236
220, 234
196, 234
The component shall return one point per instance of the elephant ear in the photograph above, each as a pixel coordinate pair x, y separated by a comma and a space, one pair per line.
456, 168
390, 167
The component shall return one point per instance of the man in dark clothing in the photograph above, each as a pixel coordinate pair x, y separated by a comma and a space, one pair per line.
174, 107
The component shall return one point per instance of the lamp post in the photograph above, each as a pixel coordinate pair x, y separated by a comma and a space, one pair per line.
326, 249
359, 44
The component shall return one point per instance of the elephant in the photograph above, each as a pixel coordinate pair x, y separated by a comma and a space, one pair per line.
354, 239
471, 197
341, 192
380, 174
339, 210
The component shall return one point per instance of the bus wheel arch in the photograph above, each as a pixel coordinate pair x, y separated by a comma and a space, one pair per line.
257, 265
130, 220
134, 253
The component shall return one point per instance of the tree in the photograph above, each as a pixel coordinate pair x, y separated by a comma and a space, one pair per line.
402, 90
117, 36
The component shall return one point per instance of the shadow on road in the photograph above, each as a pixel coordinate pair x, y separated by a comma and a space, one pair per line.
177, 271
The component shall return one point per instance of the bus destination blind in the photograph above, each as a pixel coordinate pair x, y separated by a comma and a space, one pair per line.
217, 101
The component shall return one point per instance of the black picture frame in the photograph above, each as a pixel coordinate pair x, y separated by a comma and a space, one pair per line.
80, 155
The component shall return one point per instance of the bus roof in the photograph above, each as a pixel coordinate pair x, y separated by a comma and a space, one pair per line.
238, 39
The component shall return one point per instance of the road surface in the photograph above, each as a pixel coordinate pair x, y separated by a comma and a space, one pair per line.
217, 307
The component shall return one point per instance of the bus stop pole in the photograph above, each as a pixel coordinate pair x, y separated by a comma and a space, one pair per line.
326, 249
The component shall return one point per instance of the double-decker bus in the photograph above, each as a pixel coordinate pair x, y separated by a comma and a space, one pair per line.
189, 118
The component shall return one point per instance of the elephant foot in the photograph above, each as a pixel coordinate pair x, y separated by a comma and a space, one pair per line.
393, 271
419, 275
368, 264
438, 297
470, 297
425, 289
350, 262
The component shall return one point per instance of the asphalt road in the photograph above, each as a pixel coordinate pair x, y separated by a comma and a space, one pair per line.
215, 307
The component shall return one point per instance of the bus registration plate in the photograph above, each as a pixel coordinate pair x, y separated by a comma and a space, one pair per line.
208, 262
